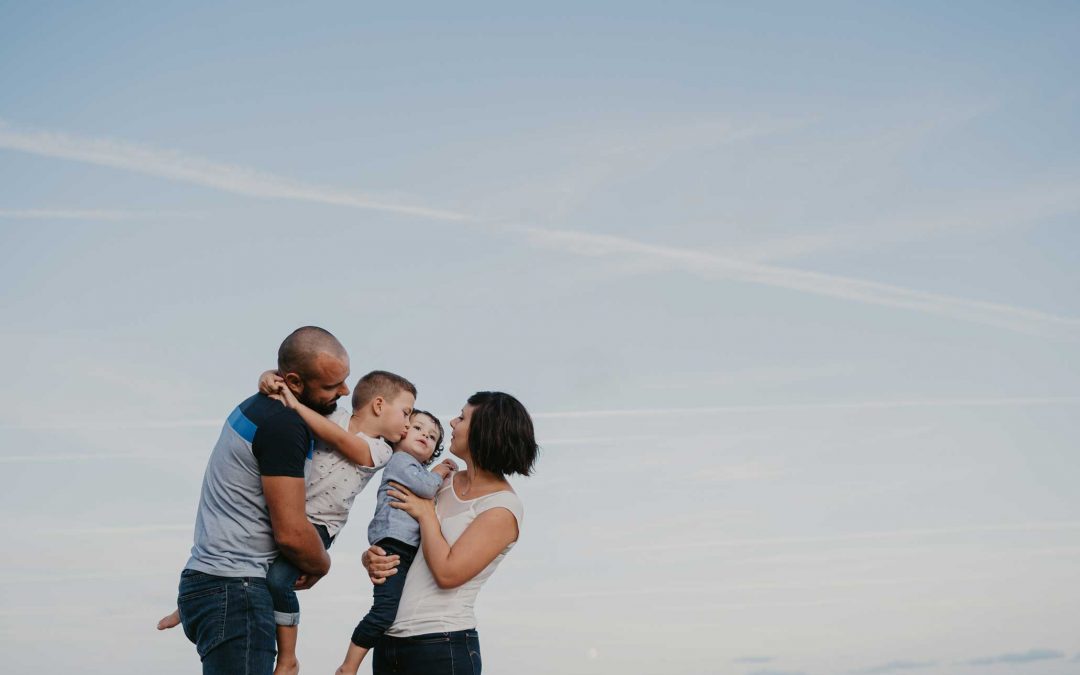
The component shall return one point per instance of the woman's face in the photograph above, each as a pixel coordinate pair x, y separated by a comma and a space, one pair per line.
459, 437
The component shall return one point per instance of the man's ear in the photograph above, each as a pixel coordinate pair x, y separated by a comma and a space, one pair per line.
294, 382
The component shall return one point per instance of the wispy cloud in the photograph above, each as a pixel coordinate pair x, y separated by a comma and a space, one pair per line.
753, 659
893, 666
186, 168
80, 457
712, 266
237, 179
858, 536
114, 215
1029, 656
852, 405
776, 672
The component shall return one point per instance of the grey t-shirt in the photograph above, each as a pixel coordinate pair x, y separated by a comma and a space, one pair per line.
390, 522
233, 537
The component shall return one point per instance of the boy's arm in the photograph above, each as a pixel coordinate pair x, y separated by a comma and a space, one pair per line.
412, 475
354, 448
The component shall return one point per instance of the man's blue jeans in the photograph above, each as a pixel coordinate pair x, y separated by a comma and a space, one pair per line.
231, 622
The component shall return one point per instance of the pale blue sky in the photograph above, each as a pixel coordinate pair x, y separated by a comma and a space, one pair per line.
792, 290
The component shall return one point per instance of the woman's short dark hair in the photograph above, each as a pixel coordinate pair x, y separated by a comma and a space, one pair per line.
501, 437
438, 425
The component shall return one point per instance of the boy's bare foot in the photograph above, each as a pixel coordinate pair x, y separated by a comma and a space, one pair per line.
287, 667
171, 621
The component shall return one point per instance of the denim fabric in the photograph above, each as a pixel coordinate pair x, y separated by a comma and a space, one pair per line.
281, 578
231, 622
387, 596
456, 653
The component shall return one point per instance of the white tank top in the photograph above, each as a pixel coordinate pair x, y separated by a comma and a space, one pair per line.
426, 608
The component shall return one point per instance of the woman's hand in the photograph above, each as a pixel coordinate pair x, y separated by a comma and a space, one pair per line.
378, 564
415, 506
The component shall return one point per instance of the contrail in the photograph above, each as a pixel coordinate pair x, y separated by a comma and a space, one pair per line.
246, 181
185, 168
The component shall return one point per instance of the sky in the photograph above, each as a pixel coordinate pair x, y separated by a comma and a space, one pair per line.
790, 289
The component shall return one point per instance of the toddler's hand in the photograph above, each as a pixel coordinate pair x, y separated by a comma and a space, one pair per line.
445, 467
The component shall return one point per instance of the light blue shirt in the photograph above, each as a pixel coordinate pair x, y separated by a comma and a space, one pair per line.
390, 522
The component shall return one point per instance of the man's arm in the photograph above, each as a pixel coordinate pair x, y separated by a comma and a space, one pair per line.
280, 445
293, 533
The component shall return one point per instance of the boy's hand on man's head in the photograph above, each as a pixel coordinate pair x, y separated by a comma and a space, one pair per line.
270, 382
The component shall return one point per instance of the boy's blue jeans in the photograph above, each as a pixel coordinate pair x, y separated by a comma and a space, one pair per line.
281, 577
387, 596
231, 622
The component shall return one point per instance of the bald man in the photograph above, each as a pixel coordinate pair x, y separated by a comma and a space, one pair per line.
252, 507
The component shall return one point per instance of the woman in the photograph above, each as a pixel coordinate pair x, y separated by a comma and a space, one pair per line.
464, 535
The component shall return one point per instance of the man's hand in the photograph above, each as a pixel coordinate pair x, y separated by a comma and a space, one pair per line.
379, 565
445, 468
306, 581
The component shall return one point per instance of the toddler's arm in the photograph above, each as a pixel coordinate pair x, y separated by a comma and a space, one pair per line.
353, 447
412, 475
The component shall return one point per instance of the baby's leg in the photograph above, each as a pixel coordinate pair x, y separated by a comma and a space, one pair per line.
170, 621
387, 597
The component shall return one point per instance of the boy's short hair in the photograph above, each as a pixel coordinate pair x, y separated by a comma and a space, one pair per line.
438, 425
501, 437
379, 383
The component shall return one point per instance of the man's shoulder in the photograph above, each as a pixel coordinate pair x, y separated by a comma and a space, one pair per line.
261, 409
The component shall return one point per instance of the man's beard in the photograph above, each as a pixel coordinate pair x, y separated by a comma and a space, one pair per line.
321, 408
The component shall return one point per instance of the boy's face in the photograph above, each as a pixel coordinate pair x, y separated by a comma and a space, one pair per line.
420, 438
394, 419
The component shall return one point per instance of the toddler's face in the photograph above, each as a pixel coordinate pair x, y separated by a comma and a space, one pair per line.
420, 438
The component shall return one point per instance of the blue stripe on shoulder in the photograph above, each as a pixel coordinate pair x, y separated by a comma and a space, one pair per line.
242, 425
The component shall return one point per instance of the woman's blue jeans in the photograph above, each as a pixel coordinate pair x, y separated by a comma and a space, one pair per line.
231, 622
456, 653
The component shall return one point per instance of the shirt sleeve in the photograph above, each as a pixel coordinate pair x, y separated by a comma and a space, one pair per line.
281, 445
403, 468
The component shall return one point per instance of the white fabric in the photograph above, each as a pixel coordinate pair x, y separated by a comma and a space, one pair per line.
334, 481
426, 608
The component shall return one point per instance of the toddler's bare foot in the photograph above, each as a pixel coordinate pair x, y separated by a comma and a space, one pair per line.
171, 621
287, 667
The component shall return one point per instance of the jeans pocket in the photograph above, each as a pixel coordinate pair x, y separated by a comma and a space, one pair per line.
202, 613
433, 639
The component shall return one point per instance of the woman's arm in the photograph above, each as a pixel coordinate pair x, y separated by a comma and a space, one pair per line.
352, 446
480, 543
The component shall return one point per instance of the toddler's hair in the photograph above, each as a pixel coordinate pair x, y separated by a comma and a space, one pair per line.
438, 425
379, 383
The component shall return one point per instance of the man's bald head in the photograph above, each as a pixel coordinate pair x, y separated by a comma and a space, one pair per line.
314, 365
298, 353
